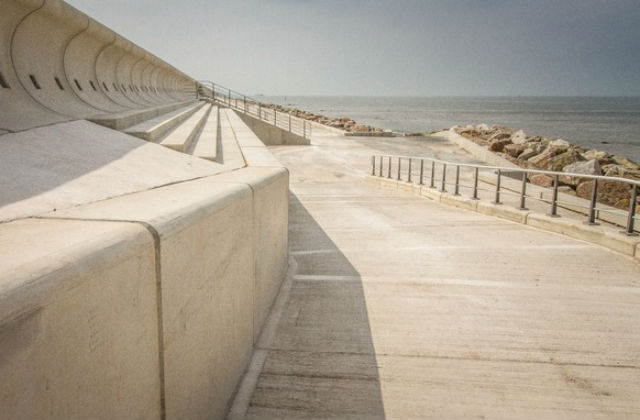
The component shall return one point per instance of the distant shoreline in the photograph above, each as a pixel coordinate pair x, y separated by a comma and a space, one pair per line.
608, 123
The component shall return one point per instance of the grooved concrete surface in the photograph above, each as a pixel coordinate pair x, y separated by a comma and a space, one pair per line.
399, 307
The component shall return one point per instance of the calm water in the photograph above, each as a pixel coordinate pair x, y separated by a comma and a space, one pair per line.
611, 124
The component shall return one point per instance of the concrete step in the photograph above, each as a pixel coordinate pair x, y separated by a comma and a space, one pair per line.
122, 120
180, 139
155, 128
230, 154
253, 150
206, 145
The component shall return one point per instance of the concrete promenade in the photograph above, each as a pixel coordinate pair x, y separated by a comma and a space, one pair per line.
399, 307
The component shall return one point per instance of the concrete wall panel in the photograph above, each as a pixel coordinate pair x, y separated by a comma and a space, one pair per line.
57, 64
270, 188
149, 78
37, 52
78, 321
137, 73
80, 60
207, 269
106, 69
19, 110
124, 77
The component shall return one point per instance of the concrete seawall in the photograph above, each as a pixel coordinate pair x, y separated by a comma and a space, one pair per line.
144, 303
134, 279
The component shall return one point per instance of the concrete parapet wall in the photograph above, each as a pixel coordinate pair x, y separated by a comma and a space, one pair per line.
215, 247
475, 150
270, 134
78, 320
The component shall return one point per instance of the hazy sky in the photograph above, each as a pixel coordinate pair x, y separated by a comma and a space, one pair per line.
389, 48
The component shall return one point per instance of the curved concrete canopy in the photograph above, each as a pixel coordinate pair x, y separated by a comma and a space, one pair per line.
58, 64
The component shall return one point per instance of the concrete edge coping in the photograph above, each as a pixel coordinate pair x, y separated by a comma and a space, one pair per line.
599, 235
326, 127
33, 276
99, 233
474, 149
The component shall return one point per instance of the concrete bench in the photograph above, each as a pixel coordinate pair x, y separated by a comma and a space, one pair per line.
206, 145
180, 139
154, 128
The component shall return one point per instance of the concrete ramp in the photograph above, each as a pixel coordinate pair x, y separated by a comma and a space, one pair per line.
397, 306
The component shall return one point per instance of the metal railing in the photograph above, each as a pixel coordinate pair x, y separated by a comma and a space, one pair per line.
433, 173
254, 108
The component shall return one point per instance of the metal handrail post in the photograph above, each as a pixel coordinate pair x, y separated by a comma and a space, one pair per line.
433, 174
389, 169
304, 129
244, 104
289, 122
443, 187
632, 211
523, 192
373, 165
409, 174
457, 188
275, 117
497, 200
399, 166
421, 171
381, 165
554, 198
592, 205
475, 184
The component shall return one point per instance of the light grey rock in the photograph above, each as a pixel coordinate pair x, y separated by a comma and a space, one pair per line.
528, 153
560, 143
596, 154
519, 137
590, 167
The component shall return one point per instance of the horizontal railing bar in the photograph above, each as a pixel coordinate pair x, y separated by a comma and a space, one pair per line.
506, 170
438, 178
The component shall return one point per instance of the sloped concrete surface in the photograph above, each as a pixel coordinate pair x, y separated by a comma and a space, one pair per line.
396, 306
68, 164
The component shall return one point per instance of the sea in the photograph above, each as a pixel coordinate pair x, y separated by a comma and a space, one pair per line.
611, 124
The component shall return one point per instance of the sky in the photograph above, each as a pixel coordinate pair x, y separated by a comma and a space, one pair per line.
391, 48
